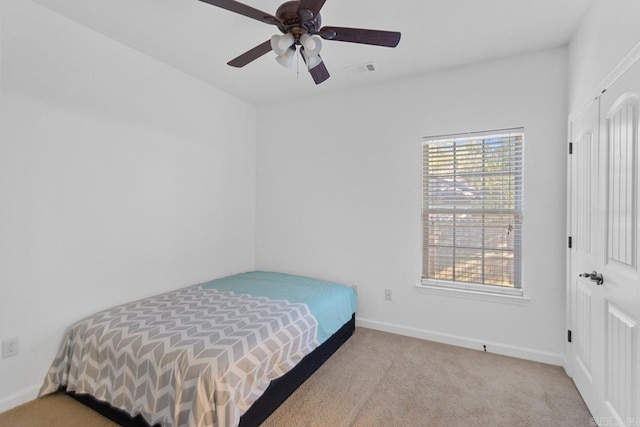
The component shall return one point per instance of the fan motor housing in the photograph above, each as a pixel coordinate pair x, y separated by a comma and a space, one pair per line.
288, 14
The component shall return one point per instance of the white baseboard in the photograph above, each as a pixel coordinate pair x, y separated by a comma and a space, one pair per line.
492, 347
19, 398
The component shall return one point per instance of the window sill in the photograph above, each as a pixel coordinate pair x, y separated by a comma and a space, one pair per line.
433, 289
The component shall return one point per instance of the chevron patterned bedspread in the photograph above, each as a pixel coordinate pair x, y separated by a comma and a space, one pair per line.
191, 357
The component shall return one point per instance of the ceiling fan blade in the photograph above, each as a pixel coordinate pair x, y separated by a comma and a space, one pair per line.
319, 73
243, 9
360, 35
251, 55
313, 6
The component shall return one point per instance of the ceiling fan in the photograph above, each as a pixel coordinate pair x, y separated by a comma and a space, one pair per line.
299, 21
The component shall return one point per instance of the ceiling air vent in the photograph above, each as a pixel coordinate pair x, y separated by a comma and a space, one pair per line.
362, 68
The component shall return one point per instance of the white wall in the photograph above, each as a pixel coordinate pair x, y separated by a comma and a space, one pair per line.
339, 197
119, 178
608, 32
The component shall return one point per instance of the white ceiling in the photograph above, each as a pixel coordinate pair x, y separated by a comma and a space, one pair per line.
199, 39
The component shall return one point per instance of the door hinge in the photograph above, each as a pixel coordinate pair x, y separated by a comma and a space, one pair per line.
570, 242
569, 335
571, 148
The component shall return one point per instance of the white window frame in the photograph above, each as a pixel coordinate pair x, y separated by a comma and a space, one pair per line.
477, 290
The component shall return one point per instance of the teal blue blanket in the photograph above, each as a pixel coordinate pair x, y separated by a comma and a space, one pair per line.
330, 303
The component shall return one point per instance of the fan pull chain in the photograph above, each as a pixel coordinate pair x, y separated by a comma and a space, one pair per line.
297, 67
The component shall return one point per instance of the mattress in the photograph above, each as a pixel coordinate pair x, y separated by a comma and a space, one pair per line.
197, 356
332, 304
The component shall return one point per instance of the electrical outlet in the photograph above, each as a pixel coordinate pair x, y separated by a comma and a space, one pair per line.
387, 294
9, 347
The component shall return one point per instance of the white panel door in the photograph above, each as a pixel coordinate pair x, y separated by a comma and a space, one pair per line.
619, 120
586, 358
604, 357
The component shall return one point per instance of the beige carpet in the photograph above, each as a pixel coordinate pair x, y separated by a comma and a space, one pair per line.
56, 411
380, 379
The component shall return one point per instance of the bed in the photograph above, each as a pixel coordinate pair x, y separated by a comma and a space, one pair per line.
220, 353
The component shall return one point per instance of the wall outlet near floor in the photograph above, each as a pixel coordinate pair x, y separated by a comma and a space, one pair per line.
9, 347
387, 294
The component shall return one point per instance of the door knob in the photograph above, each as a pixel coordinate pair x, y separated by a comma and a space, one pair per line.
594, 276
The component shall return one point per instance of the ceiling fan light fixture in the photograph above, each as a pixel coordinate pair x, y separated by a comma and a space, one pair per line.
286, 59
281, 43
312, 44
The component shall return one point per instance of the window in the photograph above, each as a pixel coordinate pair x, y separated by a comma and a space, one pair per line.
472, 211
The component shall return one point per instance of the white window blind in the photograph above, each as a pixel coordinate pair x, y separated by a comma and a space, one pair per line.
472, 208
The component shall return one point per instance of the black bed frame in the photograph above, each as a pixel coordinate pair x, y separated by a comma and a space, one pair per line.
277, 392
